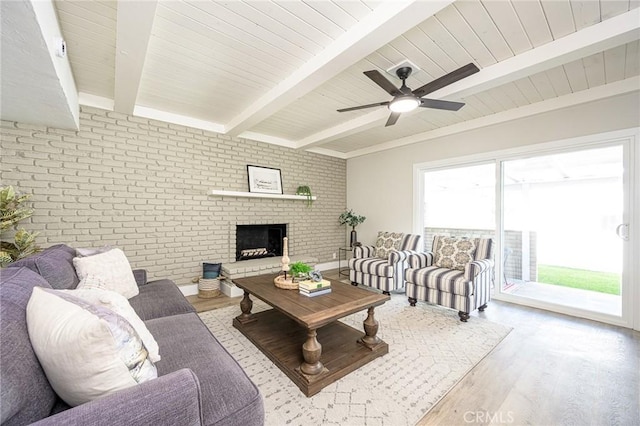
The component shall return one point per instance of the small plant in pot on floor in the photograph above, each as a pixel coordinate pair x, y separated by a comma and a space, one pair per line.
348, 217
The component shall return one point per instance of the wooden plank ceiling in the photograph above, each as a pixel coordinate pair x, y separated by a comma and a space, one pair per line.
277, 70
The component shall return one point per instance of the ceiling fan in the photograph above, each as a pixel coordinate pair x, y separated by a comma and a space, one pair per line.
405, 100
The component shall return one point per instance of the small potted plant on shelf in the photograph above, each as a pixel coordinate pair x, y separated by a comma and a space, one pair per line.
348, 217
299, 270
306, 191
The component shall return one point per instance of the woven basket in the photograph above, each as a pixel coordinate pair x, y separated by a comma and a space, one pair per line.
208, 288
287, 284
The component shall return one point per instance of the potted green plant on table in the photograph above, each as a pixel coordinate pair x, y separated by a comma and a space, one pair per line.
348, 217
299, 270
305, 191
11, 213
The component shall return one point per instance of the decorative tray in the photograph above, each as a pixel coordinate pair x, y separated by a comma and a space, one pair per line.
286, 284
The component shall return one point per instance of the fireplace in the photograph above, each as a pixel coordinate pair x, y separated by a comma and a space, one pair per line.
258, 241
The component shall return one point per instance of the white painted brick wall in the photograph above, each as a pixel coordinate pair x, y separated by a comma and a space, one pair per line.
141, 185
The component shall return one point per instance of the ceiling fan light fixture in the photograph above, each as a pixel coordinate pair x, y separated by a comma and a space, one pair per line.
405, 99
404, 104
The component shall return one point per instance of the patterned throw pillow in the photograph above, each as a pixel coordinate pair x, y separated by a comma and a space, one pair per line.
454, 253
388, 242
120, 305
86, 351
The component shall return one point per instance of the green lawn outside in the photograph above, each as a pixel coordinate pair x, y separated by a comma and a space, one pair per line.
603, 282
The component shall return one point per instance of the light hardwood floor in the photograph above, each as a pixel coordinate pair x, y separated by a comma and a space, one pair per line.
222, 301
551, 369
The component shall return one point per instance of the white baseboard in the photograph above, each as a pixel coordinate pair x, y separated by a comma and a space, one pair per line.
229, 289
189, 290
327, 266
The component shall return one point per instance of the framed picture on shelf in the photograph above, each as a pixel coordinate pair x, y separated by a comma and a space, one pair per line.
264, 179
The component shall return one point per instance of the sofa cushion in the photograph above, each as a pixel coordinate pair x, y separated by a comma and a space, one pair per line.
141, 276
229, 397
113, 270
160, 298
54, 264
453, 253
25, 394
86, 351
387, 242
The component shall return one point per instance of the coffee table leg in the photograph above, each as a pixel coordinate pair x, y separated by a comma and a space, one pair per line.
245, 306
311, 351
370, 339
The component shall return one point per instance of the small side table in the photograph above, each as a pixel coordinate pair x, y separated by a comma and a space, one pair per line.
346, 251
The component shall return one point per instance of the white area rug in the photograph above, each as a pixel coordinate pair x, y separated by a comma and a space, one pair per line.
430, 350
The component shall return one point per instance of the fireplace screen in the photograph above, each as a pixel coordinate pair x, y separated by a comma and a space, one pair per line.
258, 241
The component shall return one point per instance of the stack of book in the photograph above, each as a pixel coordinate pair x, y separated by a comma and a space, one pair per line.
314, 288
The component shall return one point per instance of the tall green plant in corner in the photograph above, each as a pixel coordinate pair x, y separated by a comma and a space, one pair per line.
11, 213
348, 217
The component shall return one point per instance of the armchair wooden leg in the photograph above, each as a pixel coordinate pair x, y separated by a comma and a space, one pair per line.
386, 293
354, 283
464, 316
482, 308
412, 301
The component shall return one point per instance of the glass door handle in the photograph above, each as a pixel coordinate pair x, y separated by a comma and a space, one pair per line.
622, 231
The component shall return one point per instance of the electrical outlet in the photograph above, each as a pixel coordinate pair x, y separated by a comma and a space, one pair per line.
335, 256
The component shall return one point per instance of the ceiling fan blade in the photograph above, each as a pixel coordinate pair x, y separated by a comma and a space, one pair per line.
363, 106
446, 79
439, 104
392, 119
381, 81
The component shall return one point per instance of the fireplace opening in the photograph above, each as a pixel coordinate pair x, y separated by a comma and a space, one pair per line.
258, 241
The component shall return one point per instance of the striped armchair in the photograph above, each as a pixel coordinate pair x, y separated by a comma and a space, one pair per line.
465, 289
383, 267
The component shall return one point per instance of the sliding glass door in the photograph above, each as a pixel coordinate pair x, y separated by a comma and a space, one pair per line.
560, 214
563, 228
459, 201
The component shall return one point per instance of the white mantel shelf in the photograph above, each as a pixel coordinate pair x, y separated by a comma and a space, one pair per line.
223, 193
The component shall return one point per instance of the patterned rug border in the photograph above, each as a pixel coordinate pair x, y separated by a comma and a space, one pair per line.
446, 348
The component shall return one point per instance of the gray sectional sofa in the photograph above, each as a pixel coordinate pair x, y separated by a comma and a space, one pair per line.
198, 381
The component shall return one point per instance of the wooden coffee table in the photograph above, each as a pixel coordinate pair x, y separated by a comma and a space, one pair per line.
302, 335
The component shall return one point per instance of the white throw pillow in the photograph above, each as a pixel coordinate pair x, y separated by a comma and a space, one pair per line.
120, 305
113, 270
86, 351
